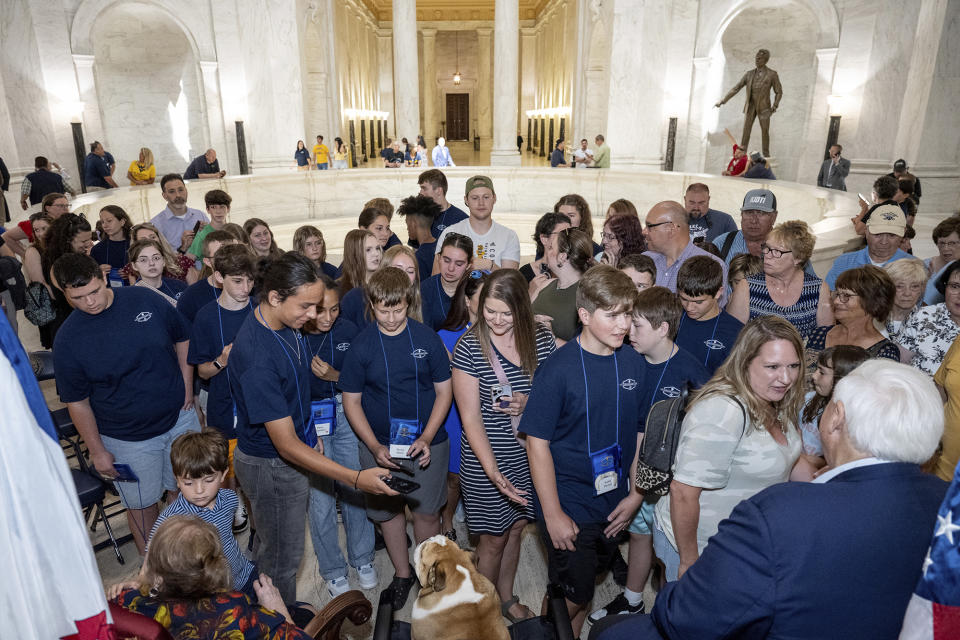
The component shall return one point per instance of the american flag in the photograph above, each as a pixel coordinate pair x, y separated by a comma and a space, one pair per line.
934, 609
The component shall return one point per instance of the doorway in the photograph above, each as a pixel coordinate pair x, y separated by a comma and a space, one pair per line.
458, 116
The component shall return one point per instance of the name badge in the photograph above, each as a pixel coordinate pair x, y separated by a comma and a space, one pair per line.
606, 469
114, 279
402, 435
324, 416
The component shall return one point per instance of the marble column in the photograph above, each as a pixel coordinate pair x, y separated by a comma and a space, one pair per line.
406, 74
695, 154
484, 92
818, 121
87, 86
430, 119
506, 25
385, 78
216, 135
528, 75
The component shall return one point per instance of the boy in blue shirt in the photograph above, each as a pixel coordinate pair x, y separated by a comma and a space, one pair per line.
396, 395
670, 370
419, 212
200, 293
705, 331
436, 292
581, 422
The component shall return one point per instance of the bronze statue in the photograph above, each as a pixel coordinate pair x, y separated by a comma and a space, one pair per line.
758, 82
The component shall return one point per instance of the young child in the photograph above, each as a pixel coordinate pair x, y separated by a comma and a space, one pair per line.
581, 422
200, 462
396, 395
656, 315
833, 364
148, 260
328, 339
704, 331
203, 291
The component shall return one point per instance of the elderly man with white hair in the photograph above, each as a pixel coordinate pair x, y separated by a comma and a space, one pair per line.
441, 154
834, 558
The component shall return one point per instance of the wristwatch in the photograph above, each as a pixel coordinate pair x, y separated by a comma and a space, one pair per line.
219, 367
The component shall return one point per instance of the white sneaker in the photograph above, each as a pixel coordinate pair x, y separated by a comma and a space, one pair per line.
338, 587
368, 576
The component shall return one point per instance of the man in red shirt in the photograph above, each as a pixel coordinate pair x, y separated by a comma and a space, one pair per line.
738, 163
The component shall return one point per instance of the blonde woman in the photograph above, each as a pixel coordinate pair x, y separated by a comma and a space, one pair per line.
142, 171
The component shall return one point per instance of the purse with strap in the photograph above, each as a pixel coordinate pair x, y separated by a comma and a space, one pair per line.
39, 305
502, 379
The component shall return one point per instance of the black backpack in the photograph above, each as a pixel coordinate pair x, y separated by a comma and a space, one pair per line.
11, 279
658, 450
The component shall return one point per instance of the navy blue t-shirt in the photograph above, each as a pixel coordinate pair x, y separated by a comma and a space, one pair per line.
172, 287
331, 347
111, 252
269, 383
353, 307
425, 254
435, 301
195, 297
330, 270
213, 328
557, 411
123, 359
709, 341
668, 379
450, 216
365, 372
392, 241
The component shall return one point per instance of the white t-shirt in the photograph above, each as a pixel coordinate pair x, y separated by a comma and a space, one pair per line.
498, 244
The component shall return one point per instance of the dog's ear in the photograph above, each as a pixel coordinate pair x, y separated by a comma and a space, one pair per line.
437, 577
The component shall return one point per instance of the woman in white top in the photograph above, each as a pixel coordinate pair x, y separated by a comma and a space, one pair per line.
739, 436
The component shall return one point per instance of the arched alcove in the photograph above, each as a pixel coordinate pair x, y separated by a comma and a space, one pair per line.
148, 87
790, 31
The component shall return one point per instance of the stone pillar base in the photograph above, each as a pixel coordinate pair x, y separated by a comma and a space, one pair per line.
505, 158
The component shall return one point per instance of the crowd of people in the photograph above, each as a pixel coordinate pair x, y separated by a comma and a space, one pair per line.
230, 375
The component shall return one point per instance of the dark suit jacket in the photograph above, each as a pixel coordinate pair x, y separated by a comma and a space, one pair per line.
802, 560
839, 179
760, 101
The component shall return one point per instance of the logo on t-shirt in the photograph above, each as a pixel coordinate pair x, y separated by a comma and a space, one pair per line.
670, 392
343, 346
143, 316
487, 250
419, 354
629, 384
714, 344
441, 227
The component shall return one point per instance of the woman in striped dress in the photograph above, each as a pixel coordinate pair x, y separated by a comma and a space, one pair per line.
503, 348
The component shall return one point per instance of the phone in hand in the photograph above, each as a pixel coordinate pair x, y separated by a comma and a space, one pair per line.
400, 485
125, 473
197, 226
500, 391
863, 198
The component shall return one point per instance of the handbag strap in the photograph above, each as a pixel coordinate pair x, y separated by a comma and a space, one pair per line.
502, 379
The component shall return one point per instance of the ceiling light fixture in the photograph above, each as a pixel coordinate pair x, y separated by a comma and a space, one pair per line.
456, 76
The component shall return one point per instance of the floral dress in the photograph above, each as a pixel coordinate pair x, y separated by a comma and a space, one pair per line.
928, 334
223, 616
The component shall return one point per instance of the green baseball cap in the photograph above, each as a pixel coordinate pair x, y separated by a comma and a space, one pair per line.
478, 181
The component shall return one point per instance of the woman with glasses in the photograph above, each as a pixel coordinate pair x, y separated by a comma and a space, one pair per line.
53, 205
909, 276
622, 236
862, 300
927, 334
784, 288
149, 261
946, 235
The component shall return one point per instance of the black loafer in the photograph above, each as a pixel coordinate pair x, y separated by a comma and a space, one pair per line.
401, 589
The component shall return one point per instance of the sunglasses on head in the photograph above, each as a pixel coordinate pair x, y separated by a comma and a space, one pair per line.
476, 274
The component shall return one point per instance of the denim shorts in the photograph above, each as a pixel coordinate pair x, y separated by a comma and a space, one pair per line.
150, 460
643, 522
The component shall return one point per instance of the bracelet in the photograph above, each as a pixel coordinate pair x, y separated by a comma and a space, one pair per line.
356, 480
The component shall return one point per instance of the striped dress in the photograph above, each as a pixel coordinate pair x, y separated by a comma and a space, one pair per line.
488, 510
802, 314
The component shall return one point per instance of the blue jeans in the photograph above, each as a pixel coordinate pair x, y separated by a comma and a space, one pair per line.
341, 447
322, 166
278, 496
667, 553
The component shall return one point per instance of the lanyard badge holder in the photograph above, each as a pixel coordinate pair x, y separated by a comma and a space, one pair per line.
114, 279
604, 462
403, 432
324, 411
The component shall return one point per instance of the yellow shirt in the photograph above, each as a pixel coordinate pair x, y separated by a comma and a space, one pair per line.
948, 377
320, 153
149, 173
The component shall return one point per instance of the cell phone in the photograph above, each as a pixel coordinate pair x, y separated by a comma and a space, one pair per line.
400, 485
863, 198
401, 466
125, 473
197, 226
499, 391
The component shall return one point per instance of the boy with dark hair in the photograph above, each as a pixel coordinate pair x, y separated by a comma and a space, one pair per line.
218, 208
705, 331
205, 290
670, 370
581, 422
433, 184
640, 269
396, 394
419, 212
121, 366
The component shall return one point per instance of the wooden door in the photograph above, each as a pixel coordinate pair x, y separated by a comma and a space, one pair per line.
458, 116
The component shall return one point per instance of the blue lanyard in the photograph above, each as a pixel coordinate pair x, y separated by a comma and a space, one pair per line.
713, 334
296, 377
666, 366
586, 387
440, 297
223, 342
416, 371
333, 388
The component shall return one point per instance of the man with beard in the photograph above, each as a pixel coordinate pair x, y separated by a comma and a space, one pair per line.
177, 221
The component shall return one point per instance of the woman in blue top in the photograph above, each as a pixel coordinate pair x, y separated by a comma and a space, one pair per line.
276, 436
112, 249
302, 156
308, 241
462, 316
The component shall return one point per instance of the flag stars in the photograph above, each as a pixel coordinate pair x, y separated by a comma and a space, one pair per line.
946, 527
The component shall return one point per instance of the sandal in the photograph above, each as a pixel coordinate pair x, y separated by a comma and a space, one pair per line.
505, 610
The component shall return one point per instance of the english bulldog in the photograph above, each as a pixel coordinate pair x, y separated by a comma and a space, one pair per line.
456, 602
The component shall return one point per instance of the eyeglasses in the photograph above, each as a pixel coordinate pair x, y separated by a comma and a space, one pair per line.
608, 236
843, 296
476, 274
947, 244
776, 253
656, 224
149, 259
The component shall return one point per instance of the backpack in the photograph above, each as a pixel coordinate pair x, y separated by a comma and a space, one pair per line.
658, 450
11, 279
39, 306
